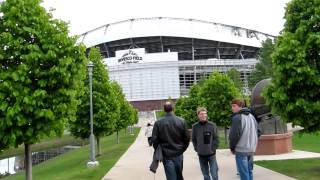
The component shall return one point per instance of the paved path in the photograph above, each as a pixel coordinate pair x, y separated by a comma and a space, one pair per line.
295, 154
134, 164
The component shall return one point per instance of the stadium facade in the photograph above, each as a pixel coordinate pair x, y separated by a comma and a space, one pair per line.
157, 58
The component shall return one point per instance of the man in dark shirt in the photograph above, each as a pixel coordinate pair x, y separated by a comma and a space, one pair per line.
171, 133
205, 140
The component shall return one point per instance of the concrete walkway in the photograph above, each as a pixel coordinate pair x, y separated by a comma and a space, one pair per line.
295, 154
134, 164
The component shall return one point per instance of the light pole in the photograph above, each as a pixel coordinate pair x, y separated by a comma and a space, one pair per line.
92, 162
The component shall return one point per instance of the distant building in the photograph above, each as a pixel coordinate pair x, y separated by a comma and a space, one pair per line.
157, 58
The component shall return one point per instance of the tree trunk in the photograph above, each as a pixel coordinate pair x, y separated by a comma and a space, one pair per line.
117, 137
98, 146
131, 130
28, 161
226, 135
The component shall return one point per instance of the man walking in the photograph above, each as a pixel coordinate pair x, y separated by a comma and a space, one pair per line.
171, 134
205, 141
243, 138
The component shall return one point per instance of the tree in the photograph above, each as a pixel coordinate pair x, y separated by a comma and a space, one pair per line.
135, 118
41, 70
263, 68
186, 107
234, 75
134, 114
125, 116
294, 91
216, 93
105, 108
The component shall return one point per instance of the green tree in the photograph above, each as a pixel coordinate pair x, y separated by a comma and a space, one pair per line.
133, 117
263, 68
135, 111
234, 75
125, 116
215, 94
294, 91
105, 108
41, 70
186, 107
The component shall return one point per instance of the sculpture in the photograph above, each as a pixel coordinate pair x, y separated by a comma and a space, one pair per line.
267, 122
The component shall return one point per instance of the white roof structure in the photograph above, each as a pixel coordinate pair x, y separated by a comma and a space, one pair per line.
175, 27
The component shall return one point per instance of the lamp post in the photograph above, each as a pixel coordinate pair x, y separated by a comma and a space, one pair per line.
92, 162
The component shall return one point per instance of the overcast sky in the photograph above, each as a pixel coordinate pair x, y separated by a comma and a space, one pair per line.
83, 15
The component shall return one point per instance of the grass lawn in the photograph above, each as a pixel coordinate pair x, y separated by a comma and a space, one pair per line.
72, 165
306, 142
302, 169
47, 143
222, 140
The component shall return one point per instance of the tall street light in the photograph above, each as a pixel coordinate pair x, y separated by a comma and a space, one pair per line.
92, 162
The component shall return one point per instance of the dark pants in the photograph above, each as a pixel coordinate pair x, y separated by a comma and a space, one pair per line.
150, 141
173, 167
209, 166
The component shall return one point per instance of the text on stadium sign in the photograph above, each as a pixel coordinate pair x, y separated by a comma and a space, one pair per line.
130, 57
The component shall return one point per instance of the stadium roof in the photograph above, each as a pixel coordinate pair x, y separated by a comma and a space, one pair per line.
174, 27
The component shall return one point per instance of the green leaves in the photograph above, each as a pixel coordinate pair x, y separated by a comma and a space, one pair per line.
214, 93
234, 75
40, 73
186, 107
294, 93
127, 115
263, 68
105, 108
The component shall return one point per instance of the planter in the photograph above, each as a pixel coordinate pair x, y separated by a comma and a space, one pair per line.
274, 144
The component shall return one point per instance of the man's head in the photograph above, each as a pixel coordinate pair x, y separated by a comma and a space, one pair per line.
236, 105
167, 107
202, 114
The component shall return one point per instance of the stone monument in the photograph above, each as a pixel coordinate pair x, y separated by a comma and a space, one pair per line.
275, 138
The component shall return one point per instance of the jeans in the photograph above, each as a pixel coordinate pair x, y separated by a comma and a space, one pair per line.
245, 166
150, 141
209, 163
173, 167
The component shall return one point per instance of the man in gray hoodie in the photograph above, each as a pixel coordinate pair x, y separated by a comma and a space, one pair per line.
205, 141
243, 138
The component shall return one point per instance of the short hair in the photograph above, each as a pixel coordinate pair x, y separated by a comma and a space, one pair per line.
199, 109
238, 102
167, 107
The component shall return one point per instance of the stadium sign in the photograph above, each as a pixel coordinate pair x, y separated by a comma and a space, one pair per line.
130, 57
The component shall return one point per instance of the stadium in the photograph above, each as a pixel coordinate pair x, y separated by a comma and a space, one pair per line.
157, 58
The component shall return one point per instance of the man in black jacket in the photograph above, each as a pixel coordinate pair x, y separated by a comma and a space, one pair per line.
171, 133
205, 140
